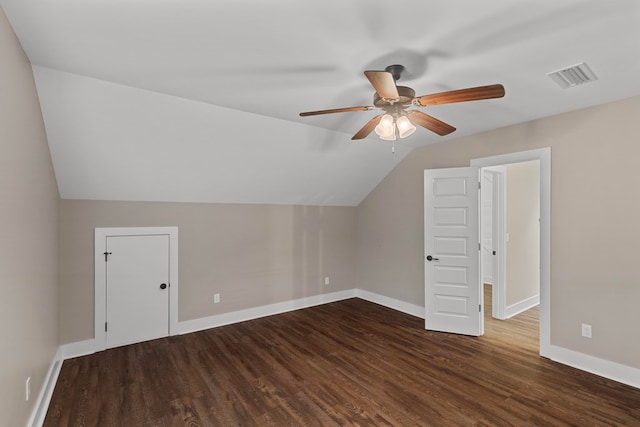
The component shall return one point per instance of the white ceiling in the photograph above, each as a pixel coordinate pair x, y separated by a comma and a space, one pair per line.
194, 100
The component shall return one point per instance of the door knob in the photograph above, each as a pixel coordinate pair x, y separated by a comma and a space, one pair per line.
163, 286
430, 258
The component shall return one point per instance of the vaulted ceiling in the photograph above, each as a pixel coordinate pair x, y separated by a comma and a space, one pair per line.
198, 101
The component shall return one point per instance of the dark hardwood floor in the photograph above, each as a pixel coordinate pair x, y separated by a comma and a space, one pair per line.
349, 363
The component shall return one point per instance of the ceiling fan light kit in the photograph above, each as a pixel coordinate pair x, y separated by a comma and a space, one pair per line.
386, 129
405, 127
397, 120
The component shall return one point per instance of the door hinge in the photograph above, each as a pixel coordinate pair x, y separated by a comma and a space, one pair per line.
479, 248
105, 326
106, 254
479, 185
480, 308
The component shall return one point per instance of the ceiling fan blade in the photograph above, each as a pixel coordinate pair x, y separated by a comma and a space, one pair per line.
384, 84
336, 110
462, 95
429, 122
366, 129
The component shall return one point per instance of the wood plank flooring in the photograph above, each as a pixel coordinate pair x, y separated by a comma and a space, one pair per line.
349, 363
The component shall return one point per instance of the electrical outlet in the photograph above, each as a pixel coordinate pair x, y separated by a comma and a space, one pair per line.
27, 388
586, 330
326, 280
216, 298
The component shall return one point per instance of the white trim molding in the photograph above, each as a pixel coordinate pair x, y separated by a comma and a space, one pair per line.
46, 391
524, 305
395, 304
283, 307
601, 367
79, 348
217, 320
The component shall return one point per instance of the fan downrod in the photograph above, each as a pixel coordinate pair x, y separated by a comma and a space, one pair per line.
395, 70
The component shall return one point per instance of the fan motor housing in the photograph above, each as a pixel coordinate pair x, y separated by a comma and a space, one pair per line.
406, 97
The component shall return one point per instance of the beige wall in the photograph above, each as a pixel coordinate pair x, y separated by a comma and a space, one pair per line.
594, 227
28, 236
251, 254
523, 228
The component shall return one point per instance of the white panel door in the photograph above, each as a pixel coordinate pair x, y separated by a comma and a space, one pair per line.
452, 283
137, 291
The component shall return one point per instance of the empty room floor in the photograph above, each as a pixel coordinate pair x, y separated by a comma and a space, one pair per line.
345, 363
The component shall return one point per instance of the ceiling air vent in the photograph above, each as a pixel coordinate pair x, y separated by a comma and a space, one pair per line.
573, 76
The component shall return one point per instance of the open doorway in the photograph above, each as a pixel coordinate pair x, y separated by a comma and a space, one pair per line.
510, 237
543, 155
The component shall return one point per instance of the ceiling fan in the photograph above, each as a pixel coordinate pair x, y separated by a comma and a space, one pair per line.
397, 120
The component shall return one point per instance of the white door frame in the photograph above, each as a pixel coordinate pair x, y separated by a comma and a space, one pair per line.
498, 240
544, 156
486, 184
100, 279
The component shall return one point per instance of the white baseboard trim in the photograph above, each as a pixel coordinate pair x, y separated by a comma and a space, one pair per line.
46, 391
601, 367
395, 304
79, 348
521, 306
202, 323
